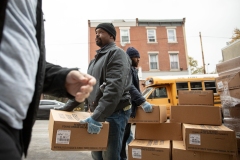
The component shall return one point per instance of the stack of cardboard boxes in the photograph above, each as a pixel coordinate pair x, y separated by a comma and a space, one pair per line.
204, 135
194, 132
153, 137
228, 85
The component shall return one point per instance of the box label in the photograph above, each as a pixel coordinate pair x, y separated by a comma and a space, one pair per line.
63, 136
195, 139
137, 153
220, 85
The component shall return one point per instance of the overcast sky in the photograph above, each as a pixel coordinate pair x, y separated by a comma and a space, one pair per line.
66, 25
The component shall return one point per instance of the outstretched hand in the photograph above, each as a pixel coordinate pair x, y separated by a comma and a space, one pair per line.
79, 85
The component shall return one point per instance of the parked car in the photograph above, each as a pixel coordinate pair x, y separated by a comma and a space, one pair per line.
45, 106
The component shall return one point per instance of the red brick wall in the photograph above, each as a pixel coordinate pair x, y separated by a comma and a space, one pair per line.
138, 40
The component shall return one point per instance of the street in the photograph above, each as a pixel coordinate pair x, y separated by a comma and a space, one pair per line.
40, 147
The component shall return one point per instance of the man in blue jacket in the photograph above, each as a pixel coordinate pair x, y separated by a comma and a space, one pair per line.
136, 97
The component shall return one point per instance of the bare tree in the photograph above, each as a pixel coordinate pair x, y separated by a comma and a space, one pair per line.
194, 66
236, 35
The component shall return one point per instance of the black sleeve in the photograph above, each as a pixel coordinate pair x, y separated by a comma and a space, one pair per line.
54, 80
136, 96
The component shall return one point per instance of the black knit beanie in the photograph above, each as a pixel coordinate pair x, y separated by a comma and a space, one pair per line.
132, 52
108, 27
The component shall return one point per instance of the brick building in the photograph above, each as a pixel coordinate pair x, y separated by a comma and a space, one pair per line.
161, 43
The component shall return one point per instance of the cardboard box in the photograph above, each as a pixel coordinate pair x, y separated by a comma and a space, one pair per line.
206, 138
231, 112
232, 71
228, 65
149, 150
230, 98
195, 97
160, 131
180, 153
231, 81
233, 124
235, 93
159, 115
196, 114
66, 133
238, 143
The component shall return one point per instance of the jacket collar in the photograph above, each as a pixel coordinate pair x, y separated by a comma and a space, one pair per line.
106, 48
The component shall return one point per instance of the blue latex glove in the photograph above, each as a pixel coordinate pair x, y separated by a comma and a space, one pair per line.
147, 107
94, 127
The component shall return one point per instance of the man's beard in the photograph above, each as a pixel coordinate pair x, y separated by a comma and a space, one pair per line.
99, 42
134, 64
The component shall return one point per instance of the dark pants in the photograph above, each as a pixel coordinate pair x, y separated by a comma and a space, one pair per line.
10, 146
117, 123
123, 153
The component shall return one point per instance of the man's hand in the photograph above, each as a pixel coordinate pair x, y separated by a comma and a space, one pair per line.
94, 127
147, 107
79, 85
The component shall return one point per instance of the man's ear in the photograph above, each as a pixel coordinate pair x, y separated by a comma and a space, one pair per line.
111, 36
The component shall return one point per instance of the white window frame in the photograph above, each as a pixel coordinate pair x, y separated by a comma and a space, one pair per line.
121, 32
174, 34
149, 55
154, 34
174, 53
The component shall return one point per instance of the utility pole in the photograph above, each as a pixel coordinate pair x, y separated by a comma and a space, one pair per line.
204, 70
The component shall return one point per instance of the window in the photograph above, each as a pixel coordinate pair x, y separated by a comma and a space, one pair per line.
153, 57
124, 36
146, 91
171, 35
151, 33
196, 85
174, 62
182, 86
160, 92
46, 103
210, 86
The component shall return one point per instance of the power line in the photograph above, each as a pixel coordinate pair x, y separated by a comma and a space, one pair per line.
139, 40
